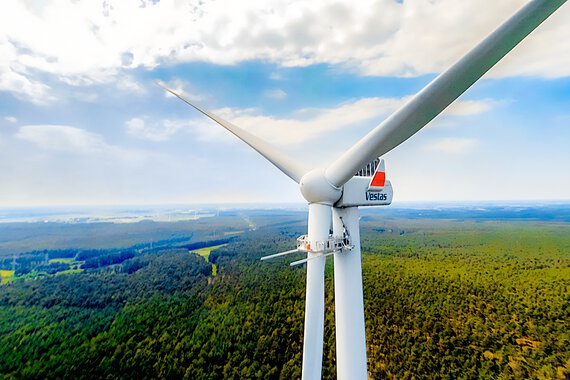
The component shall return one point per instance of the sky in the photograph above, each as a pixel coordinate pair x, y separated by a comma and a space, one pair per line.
82, 121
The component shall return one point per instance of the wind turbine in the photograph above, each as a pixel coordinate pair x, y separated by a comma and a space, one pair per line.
335, 192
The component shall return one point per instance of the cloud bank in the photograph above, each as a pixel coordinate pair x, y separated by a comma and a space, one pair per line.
83, 43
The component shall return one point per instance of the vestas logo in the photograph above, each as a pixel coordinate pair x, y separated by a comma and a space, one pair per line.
375, 191
379, 179
376, 196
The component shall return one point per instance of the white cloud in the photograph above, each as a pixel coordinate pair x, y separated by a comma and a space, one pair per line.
11, 119
93, 42
453, 145
130, 85
52, 164
13, 77
24, 88
276, 94
142, 128
275, 76
77, 141
62, 138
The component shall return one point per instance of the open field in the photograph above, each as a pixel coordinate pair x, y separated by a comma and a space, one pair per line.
205, 253
6, 275
69, 271
62, 260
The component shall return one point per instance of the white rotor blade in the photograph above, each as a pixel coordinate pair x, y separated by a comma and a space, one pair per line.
291, 168
441, 92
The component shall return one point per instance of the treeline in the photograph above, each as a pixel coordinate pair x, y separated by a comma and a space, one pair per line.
107, 259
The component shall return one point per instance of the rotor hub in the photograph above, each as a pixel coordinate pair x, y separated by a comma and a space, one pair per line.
317, 189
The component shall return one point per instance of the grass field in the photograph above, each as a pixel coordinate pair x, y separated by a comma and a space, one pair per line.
6, 275
62, 260
205, 253
69, 271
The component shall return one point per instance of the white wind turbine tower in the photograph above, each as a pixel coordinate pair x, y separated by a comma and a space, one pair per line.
335, 192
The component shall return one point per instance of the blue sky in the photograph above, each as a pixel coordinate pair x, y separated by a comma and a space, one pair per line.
82, 122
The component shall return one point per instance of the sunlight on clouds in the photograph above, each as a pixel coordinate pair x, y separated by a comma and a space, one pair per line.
84, 43
13, 77
25, 89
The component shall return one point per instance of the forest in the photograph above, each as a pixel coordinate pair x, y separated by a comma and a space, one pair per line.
445, 298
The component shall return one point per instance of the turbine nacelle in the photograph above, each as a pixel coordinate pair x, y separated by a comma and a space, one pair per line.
358, 192
368, 187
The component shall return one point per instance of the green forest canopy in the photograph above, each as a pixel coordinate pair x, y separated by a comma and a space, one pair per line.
443, 298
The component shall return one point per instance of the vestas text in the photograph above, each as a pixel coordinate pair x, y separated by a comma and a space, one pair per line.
375, 196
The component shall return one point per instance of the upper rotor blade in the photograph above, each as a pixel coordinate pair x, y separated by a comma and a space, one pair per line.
291, 168
441, 92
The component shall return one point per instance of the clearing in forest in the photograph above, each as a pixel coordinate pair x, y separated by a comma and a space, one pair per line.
205, 253
6, 275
